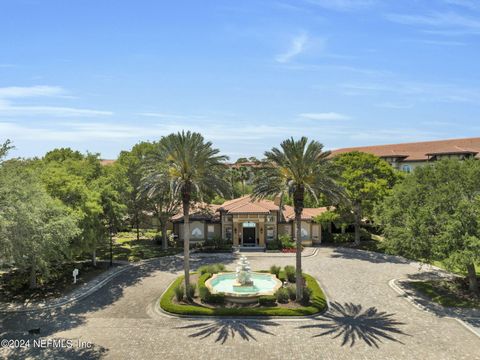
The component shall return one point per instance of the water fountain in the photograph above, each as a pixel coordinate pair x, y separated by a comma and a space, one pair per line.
244, 274
243, 286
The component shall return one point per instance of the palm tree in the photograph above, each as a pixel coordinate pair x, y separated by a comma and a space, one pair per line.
195, 169
160, 194
299, 167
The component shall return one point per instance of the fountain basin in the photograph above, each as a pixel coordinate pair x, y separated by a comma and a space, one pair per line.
227, 283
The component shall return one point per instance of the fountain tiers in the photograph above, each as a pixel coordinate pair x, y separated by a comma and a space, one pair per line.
246, 286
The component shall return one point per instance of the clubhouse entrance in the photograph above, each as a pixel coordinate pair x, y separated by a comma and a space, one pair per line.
249, 234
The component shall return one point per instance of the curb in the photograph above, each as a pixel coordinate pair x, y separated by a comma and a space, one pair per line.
394, 285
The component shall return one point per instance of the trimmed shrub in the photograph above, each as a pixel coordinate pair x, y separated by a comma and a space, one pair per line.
203, 291
307, 294
179, 292
343, 238
274, 269
190, 291
274, 245
286, 241
212, 269
292, 292
267, 300
216, 298
290, 273
282, 295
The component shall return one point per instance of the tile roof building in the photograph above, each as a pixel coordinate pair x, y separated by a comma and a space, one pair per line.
248, 222
407, 156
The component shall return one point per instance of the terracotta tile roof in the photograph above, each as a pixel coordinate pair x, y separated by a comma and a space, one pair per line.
246, 204
105, 162
420, 151
200, 211
307, 213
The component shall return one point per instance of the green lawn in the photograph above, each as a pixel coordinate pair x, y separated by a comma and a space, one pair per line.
317, 305
127, 247
445, 293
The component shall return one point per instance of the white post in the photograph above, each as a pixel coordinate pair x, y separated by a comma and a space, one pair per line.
75, 274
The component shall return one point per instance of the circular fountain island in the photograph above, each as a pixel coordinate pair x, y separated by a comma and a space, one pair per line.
243, 286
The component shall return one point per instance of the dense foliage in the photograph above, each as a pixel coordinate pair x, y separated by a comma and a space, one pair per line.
434, 215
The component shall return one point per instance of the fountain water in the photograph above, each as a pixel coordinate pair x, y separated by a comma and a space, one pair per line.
243, 273
243, 286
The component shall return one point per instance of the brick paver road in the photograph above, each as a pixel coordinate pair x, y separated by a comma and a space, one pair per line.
367, 320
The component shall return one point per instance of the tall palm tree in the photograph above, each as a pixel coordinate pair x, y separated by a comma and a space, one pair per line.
299, 167
195, 169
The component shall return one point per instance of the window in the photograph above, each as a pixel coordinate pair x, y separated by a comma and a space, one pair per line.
407, 168
304, 233
270, 218
270, 233
211, 231
228, 233
197, 233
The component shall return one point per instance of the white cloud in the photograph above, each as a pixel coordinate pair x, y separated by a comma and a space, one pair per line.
9, 108
170, 116
30, 91
343, 5
58, 111
324, 116
450, 23
297, 46
469, 4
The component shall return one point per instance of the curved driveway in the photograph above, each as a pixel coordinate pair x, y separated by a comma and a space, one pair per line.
367, 319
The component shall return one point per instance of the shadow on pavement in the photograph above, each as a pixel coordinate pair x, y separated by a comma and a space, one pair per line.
350, 323
51, 321
225, 329
370, 256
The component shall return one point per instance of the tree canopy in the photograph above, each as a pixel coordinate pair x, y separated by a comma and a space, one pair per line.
366, 180
434, 215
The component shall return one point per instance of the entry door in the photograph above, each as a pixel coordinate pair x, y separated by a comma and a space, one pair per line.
249, 236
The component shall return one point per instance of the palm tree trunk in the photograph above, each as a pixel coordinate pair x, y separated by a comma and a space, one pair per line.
358, 218
298, 208
186, 241
164, 235
472, 280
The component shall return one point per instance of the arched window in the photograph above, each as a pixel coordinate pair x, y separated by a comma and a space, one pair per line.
407, 168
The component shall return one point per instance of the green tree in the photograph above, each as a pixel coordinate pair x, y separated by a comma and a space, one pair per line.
71, 177
5, 148
160, 195
299, 167
434, 215
196, 170
367, 179
133, 163
35, 229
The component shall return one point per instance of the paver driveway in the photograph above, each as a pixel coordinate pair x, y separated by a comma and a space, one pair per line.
367, 320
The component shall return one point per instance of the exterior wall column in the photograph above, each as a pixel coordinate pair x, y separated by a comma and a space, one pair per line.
235, 232
262, 233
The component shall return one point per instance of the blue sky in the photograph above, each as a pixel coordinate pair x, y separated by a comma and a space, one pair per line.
103, 75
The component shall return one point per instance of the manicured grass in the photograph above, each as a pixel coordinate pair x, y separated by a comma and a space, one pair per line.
317, 305
127, 247
444, 293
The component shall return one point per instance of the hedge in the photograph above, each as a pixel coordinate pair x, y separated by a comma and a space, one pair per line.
317, 305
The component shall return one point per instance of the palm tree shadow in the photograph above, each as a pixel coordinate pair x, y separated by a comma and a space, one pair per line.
226, 328
349, 322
